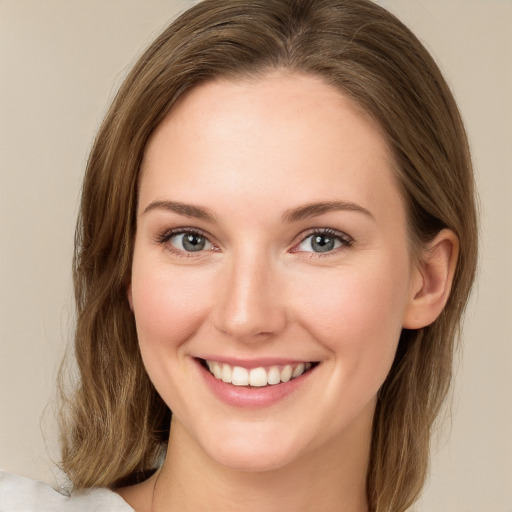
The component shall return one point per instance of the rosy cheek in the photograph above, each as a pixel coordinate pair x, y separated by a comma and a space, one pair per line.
169, 310
169, 306
354, 311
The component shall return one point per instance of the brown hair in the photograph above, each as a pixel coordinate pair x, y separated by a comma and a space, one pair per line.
116, 423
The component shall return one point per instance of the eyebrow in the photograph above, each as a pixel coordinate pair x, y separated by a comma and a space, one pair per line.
188, 210
289, 216
315, 209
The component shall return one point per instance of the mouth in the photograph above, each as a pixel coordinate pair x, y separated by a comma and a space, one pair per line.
259, 377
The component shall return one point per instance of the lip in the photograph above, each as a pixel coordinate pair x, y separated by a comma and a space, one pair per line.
251, 397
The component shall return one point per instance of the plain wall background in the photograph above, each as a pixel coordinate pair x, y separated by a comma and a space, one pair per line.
60, 64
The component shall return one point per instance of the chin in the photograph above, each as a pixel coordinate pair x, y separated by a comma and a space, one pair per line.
252, 452
251, 461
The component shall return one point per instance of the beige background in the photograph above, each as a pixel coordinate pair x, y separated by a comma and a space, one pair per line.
60, 62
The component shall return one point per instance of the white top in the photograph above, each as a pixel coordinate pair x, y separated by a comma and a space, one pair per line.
20, 494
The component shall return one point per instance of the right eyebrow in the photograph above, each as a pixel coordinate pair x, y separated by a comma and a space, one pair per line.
315, 209
188, 210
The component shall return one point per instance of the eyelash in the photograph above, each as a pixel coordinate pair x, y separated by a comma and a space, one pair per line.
166, 236
346, 241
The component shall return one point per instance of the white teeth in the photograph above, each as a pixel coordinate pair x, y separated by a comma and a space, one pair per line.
286, 373
274, 375
216, 370
240, 376
226, 373
256, 377
298, 370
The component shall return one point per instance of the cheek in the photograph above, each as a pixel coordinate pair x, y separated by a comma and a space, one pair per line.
169, 307
357, 315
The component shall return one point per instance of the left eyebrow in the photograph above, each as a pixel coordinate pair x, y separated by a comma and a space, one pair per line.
315, 209
188, 210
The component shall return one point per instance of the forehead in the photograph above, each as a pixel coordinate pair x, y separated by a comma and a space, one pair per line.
273, 135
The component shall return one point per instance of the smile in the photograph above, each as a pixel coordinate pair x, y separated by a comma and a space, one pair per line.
256, 377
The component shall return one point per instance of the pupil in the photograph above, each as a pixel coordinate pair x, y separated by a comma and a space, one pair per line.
193, 242
322, 243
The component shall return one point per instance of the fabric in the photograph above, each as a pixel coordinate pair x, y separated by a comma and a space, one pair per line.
20, 494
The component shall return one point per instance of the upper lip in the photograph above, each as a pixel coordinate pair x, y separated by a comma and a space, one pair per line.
255, 363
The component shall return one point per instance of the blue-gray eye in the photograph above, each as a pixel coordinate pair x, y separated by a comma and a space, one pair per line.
190, 242
320, 242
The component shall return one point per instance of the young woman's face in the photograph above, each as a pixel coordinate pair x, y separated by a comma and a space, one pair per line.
272, 246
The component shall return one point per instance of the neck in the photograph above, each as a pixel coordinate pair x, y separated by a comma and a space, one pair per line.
328, 479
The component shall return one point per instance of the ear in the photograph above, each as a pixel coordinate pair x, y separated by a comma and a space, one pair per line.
432, 280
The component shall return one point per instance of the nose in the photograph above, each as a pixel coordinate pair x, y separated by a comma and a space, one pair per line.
250, 306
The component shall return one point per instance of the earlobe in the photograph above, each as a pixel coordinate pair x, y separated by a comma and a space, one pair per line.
432, 281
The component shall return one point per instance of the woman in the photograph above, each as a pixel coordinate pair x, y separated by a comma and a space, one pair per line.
276, 242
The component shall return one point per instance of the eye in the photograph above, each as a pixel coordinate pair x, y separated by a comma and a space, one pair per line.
184, 241
324, 241
190, 242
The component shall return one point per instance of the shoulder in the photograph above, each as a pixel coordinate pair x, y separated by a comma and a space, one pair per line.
20, 494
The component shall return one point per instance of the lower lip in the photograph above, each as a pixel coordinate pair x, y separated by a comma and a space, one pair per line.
251, 397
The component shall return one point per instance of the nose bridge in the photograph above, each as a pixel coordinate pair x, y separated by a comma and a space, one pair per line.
250, 304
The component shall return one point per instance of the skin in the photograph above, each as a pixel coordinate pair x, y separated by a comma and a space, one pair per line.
249, 153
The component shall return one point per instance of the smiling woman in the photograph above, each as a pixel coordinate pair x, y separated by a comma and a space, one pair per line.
259, 294
269, 246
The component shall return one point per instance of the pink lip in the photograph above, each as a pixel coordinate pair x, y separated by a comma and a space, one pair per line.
251, 397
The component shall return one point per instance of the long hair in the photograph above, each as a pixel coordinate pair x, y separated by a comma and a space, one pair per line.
115, 424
